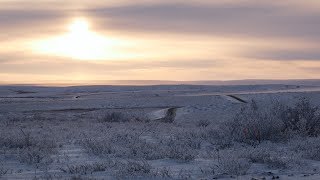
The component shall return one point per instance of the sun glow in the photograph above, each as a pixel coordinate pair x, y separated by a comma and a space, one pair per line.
81, 42
78, 43
79, 26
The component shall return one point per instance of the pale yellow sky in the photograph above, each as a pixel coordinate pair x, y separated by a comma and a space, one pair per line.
85, 41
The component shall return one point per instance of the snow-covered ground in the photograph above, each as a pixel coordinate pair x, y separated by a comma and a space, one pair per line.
165, 132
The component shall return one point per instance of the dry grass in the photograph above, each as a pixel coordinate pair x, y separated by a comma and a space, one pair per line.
3, 171
255, 135
84, 169
29, 148
135, 169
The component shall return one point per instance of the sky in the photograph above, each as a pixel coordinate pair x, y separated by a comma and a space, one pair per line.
57, 41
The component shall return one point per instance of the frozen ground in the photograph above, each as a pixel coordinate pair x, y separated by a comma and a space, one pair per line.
146, 132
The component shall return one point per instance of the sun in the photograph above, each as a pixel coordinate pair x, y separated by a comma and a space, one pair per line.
79, 26
79, 42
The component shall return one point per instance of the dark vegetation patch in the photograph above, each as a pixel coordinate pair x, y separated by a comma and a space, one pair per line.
23, 92
254, 124
237, 98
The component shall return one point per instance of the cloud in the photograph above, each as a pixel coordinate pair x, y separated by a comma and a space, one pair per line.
30, 64
19, 24
60, 69
233, 19
312, 70
263, 19
181, 39
285, 54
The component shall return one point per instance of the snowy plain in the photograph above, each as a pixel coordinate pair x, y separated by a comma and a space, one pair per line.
146, 132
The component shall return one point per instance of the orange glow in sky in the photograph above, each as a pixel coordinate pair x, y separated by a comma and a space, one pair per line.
158, 40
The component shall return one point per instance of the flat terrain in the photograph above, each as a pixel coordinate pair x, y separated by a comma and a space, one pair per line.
145, 132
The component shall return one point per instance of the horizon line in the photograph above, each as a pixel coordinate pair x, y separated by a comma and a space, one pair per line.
159, 82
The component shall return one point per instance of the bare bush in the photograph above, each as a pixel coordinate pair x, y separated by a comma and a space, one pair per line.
129, 145
29, 149
254, 124
123, 145
35, 155
180, 151
98, 147
271, 157
3, 171
185, 174
17, 142
135, 169
190, 138
114, 117
38, 117
203, 123
303, 118
218, 136
84, 169
232, 165
163, 173
143, 150
308, 148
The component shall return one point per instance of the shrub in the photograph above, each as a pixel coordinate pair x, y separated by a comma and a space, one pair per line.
125, 146
191, 139
35, 155
3, 171
38, 117
203, 123
84, 169
114, 117
308, 147
163, 173
219, 136
185, 174
254, 124
232, 165
180, 151
142, 149
135, 168
17, 142
172, 148
269, 156
303, 118
178, 147
124, 139
97, 147
29, 149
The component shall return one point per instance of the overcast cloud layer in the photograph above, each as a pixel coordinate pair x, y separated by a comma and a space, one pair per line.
175, 40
